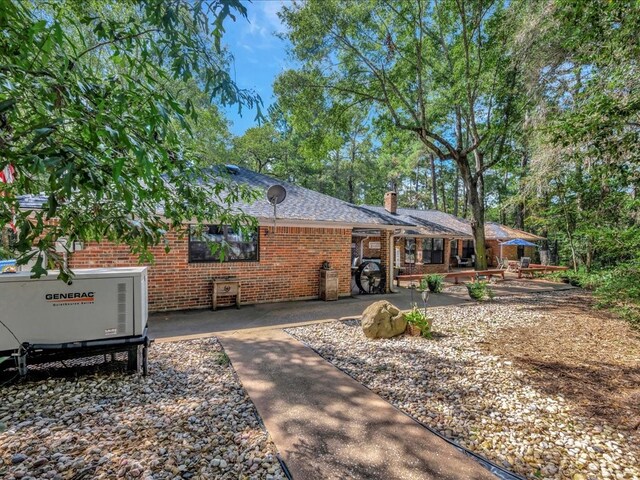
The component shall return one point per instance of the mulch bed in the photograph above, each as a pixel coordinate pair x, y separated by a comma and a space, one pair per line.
585, 355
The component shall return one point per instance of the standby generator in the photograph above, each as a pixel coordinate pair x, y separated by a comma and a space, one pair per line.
99, 309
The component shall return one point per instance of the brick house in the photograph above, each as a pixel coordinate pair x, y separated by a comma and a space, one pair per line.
274, 263
282, 262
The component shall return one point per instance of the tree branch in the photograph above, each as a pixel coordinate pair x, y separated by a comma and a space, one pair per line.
115, 40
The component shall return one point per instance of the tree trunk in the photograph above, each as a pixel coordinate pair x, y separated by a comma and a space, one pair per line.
477, 227
427, 200
474, 186
465, 203
434, 185
480, 178
456, 196
520, 206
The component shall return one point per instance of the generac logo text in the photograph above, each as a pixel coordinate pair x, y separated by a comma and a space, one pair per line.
69, 296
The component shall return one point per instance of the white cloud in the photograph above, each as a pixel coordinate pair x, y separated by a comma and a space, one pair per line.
263, 18
270, 9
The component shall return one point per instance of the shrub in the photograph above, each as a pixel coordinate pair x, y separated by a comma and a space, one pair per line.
577, 279
479, 290
433, 281
619, 290
419, 319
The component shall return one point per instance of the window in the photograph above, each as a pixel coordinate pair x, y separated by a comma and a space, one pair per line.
409, 250
468, 249
433, 250
216, 243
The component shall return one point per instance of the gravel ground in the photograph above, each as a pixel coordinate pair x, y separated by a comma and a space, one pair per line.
479, 399
190, 418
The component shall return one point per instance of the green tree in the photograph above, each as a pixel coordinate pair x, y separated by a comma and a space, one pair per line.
261, 148
91, 114
334, 144
440, 70
582, 64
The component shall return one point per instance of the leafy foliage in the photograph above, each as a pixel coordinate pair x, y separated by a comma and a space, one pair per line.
419, 319
434, 282
93, 113
619, 290
479, 290
616, 288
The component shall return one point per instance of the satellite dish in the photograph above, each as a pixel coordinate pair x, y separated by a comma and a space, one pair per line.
276, 194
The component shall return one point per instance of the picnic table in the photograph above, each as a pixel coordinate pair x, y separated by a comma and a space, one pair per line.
536, 268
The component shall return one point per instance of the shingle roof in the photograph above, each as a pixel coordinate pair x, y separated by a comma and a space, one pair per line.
429, 224
301, 204
502, 232
32, 201
451, 225
305, 204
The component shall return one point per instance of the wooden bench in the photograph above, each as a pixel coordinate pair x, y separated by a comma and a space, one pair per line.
473, 275
535, 268
408, 278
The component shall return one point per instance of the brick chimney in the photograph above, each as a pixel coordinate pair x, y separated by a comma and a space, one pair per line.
391, 202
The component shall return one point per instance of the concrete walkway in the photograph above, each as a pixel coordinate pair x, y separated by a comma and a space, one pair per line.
328, 426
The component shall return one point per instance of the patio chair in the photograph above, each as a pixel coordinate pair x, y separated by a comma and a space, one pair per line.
524, 262
464, 262
501, 263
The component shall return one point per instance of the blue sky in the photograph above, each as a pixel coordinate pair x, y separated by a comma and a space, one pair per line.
259, 56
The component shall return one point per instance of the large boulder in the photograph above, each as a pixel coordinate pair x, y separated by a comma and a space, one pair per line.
382, 320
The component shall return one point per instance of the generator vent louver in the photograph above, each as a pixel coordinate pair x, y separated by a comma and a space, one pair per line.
122, 308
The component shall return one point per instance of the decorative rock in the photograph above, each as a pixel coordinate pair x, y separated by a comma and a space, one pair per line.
177, 423
480, 399
381, 319
18, 458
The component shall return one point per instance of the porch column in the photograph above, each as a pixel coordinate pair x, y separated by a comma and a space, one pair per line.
386, 256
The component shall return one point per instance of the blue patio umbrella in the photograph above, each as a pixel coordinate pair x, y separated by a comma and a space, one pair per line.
517, 241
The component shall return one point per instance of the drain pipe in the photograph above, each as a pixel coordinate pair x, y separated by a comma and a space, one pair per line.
392, 261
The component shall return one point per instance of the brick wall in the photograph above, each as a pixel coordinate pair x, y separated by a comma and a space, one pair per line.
370, 252
288, 268
509, 251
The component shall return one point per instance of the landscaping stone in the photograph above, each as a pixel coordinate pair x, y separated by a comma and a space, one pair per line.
382, 320
190, 410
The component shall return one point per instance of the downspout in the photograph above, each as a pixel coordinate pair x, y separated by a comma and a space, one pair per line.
392, 261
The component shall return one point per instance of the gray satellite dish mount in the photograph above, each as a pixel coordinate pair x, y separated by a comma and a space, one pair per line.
275, 196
